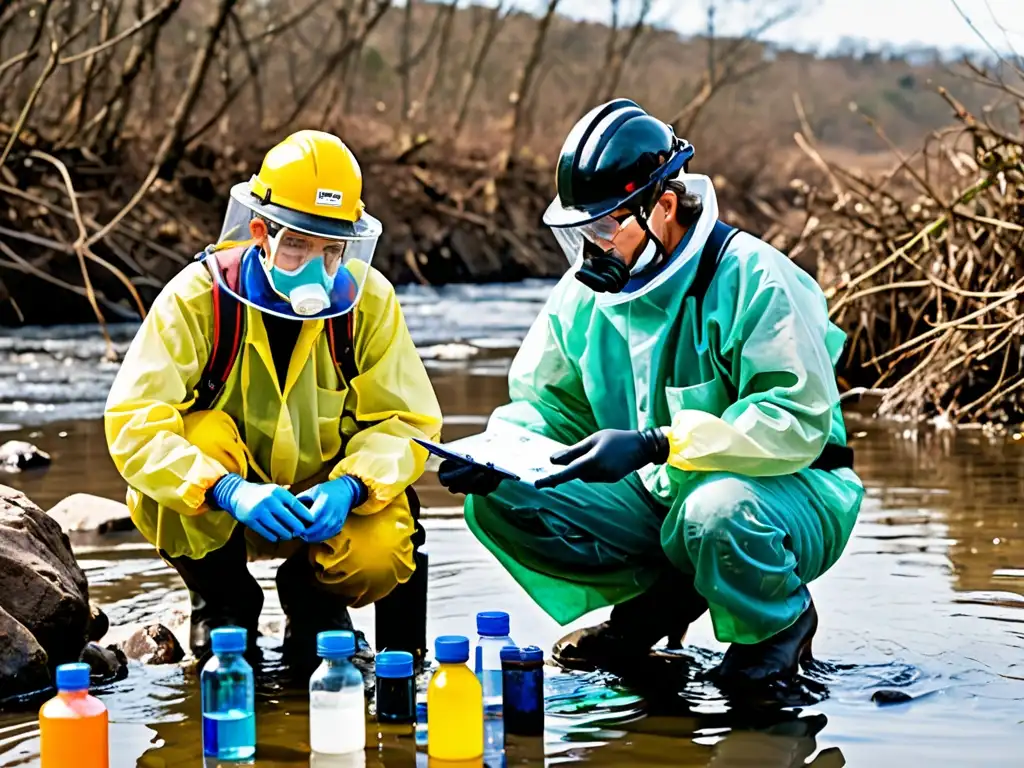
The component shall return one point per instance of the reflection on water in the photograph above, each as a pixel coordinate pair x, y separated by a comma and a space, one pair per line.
919, 652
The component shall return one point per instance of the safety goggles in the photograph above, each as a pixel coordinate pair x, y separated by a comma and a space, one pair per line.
601, 232
291, 251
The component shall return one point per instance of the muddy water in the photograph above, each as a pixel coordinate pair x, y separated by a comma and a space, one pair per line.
924, 608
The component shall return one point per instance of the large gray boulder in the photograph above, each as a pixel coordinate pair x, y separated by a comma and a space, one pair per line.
22, 659
44, 595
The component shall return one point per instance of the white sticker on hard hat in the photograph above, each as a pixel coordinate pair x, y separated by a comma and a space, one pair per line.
328, 197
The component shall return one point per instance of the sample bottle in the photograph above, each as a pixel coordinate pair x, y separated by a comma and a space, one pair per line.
73, 724
523, 690
228, 698
421, 724
455, 704
492, 628
396, 687
337, 704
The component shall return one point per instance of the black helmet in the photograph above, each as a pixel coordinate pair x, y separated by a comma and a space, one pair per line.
616, 156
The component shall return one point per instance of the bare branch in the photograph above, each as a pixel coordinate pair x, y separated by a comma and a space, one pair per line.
274, 30
609, 54
138, 26
495, 22
621, 55
51, 65
522, 92
170, 148
435, 77
333, 61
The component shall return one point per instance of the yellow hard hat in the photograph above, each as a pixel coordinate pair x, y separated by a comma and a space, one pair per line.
311, 183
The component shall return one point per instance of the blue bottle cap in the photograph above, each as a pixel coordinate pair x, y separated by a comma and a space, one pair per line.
228, 640
529, 653
452, 649
492, 624
73, 677
336, 644
394, 664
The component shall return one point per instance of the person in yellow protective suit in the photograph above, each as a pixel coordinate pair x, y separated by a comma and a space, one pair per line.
690, 368
293, 452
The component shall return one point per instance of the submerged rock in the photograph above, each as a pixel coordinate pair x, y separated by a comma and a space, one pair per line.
107, 665
83, 512
155, 644
22, 660
16, 455
98, 623
41, 588
887, 697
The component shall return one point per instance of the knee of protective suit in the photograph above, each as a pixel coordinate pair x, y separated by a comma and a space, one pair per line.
216, 434
371, 556
717, 507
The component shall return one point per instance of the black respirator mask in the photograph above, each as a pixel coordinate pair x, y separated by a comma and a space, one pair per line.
601, 271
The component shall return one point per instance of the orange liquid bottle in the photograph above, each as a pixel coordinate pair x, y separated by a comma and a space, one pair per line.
73, 725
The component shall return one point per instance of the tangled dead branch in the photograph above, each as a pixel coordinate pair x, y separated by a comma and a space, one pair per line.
924, 268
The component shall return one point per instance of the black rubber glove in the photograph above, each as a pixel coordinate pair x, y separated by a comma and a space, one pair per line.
608, 456
459, 477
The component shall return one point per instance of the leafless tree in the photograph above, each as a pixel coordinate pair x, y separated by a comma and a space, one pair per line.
521, 95
733, 64
495, 20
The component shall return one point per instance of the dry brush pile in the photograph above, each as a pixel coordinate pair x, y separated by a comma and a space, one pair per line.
924, 267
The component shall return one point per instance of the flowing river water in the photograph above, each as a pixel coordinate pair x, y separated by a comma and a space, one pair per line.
920, 648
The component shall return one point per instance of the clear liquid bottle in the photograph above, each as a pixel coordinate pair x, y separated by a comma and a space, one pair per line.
73, 725
228, 698
492, 627
337, 704
455, 704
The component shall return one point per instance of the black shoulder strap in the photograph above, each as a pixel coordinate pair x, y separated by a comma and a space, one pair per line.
228, 328
710, 257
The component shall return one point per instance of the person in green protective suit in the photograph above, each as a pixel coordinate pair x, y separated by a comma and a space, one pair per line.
691, 368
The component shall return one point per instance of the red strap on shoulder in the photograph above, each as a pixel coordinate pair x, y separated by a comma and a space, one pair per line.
228, 321
344, 357
230, 262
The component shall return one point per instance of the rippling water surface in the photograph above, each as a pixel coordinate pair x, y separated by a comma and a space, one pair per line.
920, 649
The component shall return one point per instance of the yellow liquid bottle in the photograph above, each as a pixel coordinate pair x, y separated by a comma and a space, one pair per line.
455, 704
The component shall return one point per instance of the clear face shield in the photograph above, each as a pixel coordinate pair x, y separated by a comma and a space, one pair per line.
613, 236
295, 272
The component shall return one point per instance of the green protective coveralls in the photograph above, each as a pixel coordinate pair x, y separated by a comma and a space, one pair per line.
747, 394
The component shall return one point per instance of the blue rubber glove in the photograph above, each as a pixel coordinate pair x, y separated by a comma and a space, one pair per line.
269, 510
330, 504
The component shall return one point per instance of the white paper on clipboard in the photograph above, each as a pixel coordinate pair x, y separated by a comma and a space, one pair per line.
510, 448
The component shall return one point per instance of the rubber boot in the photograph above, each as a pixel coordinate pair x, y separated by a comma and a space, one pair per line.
401, 617
665, 610
222, 593
311, 607
775, 659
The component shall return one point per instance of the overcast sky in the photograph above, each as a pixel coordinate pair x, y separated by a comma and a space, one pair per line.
824, 23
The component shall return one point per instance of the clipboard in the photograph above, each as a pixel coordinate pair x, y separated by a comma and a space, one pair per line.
447, 453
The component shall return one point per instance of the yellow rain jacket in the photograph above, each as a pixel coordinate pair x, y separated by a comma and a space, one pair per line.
318, 425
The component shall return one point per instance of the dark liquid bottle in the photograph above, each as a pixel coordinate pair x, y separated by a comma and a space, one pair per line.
396, 688
522, 685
